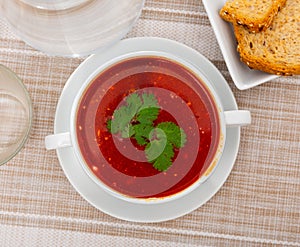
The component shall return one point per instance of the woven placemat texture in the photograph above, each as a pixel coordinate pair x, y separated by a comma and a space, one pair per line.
259, 205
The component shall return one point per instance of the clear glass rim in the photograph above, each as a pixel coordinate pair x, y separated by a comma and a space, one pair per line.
54, 5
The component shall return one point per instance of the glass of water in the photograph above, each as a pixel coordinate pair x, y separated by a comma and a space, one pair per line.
15, 114
71, 27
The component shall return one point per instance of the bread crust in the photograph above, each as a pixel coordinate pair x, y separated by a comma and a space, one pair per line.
254, 15
277, 49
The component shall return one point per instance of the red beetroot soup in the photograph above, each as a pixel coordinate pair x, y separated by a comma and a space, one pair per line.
183, 99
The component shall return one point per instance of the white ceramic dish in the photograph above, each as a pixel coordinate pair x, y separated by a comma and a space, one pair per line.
242, 76
232, 118
127, 210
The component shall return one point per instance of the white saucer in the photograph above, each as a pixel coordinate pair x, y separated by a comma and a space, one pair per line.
126, 210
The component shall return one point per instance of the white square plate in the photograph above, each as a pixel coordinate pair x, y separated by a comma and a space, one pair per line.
242, 76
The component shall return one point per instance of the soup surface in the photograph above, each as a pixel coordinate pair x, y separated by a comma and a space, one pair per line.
183, 100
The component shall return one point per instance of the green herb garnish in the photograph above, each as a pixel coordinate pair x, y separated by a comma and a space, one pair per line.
135, 119
166, 136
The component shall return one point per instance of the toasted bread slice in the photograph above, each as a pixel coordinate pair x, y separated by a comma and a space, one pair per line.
256, 15
277, 49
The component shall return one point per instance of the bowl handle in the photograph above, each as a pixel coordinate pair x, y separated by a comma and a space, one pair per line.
237, 118
56, 141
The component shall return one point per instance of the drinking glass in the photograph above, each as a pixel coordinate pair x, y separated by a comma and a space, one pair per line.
15, 114
71, 27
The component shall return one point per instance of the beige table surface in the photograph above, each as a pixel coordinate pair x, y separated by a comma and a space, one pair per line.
259, 204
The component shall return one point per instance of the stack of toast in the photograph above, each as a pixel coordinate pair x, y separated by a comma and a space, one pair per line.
267, 33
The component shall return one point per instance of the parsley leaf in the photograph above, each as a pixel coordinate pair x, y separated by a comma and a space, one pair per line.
174, 133
133, 103
122, 117
147, 115
142, 132
108, 125
149, 100
164, 160
166, 137
135, 119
